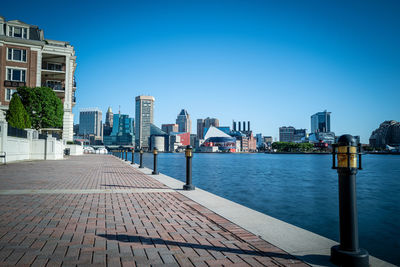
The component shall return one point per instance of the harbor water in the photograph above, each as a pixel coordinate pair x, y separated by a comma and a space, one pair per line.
301, 190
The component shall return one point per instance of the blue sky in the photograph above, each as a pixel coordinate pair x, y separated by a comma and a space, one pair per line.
274, 63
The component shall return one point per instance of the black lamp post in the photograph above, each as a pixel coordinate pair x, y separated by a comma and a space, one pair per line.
189, 156
155, 153
348, 253
141, 158
133, 155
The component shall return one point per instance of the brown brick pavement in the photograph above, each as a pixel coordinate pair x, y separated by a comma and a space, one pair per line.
114, 229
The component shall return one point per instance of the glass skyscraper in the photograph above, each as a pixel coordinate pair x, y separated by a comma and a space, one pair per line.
321, 122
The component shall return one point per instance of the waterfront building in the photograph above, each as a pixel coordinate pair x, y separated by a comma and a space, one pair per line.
168, 128
217, 140
122, 132
178, 141
193, 138
321, 122
158, 139
286, 134
388, 134
299, 135
184, 122
200, 128
143, 118
90, 123
318, 137
28, 59
108, 125
259, 140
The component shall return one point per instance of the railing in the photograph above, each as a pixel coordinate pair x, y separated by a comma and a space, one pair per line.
15, 132
56, 87
43, 136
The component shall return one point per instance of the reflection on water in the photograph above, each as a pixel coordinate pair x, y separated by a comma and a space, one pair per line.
302, 190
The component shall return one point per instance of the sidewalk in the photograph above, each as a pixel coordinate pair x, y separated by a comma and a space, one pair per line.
98, 210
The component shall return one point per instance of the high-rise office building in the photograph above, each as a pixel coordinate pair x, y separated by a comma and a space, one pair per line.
200, 128
321, 122
28, 59
108, 125
90, 122
286, 134
143, 119
169, 128
184, 122
208, 122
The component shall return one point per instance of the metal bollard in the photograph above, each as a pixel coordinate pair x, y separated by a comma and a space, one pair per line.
141, 158
155, 152
189, 156
348, 253
126, 154
133, 155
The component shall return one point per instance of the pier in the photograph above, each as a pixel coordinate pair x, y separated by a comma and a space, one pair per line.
100, 210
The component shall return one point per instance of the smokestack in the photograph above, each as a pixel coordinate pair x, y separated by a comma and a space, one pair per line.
234, 126
248, 126
244, 126
239, 126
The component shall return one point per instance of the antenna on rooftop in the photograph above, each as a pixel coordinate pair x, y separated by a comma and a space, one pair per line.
119, 109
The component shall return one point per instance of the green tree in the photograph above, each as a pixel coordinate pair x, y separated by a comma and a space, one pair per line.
16, 114
43, 106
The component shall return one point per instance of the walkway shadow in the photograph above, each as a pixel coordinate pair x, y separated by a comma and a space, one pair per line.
130, 186
158, 241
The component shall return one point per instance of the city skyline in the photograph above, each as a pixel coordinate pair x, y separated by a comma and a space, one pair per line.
275, 64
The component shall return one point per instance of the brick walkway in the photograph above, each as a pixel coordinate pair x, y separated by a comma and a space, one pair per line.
92, 225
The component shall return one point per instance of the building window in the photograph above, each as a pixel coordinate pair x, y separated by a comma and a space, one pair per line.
18, 32
9, 93
17, 75
16, 54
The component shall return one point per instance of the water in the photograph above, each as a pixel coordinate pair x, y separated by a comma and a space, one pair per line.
302, 190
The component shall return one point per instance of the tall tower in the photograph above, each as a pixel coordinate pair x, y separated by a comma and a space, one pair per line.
109, 118
143, 119
184, 122
90, 122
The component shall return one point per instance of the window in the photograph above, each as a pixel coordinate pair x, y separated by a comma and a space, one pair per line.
16, 54
9, 93
18, 32
16, 75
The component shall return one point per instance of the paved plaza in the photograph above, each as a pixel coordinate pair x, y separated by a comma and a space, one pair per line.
99, 210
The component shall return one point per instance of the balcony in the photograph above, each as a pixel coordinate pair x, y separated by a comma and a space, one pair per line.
55, 87
74, 82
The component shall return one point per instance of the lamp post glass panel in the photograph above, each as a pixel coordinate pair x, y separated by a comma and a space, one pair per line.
189, 156
155, 153
348, 253
141, 158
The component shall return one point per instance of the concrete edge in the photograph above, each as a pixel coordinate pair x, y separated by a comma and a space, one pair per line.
307, 246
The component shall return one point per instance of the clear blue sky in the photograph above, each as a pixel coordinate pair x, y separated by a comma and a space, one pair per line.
274, 63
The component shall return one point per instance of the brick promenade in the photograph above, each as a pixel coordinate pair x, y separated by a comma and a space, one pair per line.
97, 210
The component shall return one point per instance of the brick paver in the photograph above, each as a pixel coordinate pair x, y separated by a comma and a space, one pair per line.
115, 229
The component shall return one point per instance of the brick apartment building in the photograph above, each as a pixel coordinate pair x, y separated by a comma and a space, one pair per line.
28, 59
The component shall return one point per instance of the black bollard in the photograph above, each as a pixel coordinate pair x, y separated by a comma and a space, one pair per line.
141, 158
348, 253
133, 155
126, 154
155, 152
189, 156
